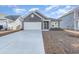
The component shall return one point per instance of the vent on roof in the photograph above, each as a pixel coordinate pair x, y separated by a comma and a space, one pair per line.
32, 15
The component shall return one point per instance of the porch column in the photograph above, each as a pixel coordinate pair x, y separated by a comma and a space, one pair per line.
58, 24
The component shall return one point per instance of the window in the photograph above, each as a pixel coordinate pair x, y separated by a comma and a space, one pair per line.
55, 23
52, 25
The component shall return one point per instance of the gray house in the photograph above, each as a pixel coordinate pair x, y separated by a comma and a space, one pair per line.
70, 20
37, 21
32, 21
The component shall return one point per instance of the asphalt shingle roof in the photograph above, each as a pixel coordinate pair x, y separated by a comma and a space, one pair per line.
45, 17
12, 17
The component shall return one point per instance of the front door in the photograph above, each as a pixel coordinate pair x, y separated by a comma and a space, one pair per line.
46, 24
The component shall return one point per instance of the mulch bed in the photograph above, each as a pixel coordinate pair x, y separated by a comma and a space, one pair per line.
3, 33
59, 42
72, 33
50, 45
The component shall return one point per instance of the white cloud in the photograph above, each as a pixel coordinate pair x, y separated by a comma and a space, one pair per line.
19, 10
34, 9
50, 7
68, 7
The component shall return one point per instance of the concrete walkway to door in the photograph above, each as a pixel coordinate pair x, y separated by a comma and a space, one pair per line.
23, 42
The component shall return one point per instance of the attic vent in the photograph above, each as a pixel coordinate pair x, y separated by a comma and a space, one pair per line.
32, 15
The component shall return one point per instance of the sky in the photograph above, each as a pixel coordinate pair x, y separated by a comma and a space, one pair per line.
53, 11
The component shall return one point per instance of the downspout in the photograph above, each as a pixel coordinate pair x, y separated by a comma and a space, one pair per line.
49, 24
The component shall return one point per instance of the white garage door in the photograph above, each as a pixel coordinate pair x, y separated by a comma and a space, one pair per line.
32, 25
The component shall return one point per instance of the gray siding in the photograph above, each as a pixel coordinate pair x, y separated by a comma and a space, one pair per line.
67, 21
32, 19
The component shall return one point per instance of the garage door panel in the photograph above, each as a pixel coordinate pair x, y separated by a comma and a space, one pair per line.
32, 25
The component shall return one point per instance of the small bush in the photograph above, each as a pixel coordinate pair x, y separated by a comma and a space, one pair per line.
6, 29
56, 29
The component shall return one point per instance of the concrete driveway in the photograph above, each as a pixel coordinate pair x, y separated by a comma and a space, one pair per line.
26, 41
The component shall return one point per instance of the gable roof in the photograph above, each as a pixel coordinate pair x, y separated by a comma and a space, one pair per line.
67, 13
36, 13
39, 14
29, 18
52, 19
12, 17
47, 18
3, 19
70, 11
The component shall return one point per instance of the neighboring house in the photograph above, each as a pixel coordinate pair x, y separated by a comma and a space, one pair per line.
70, 20
8, 22
37, 21
11, 22
3, 21
67, 21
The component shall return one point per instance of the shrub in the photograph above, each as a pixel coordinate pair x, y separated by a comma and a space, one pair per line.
56, 29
